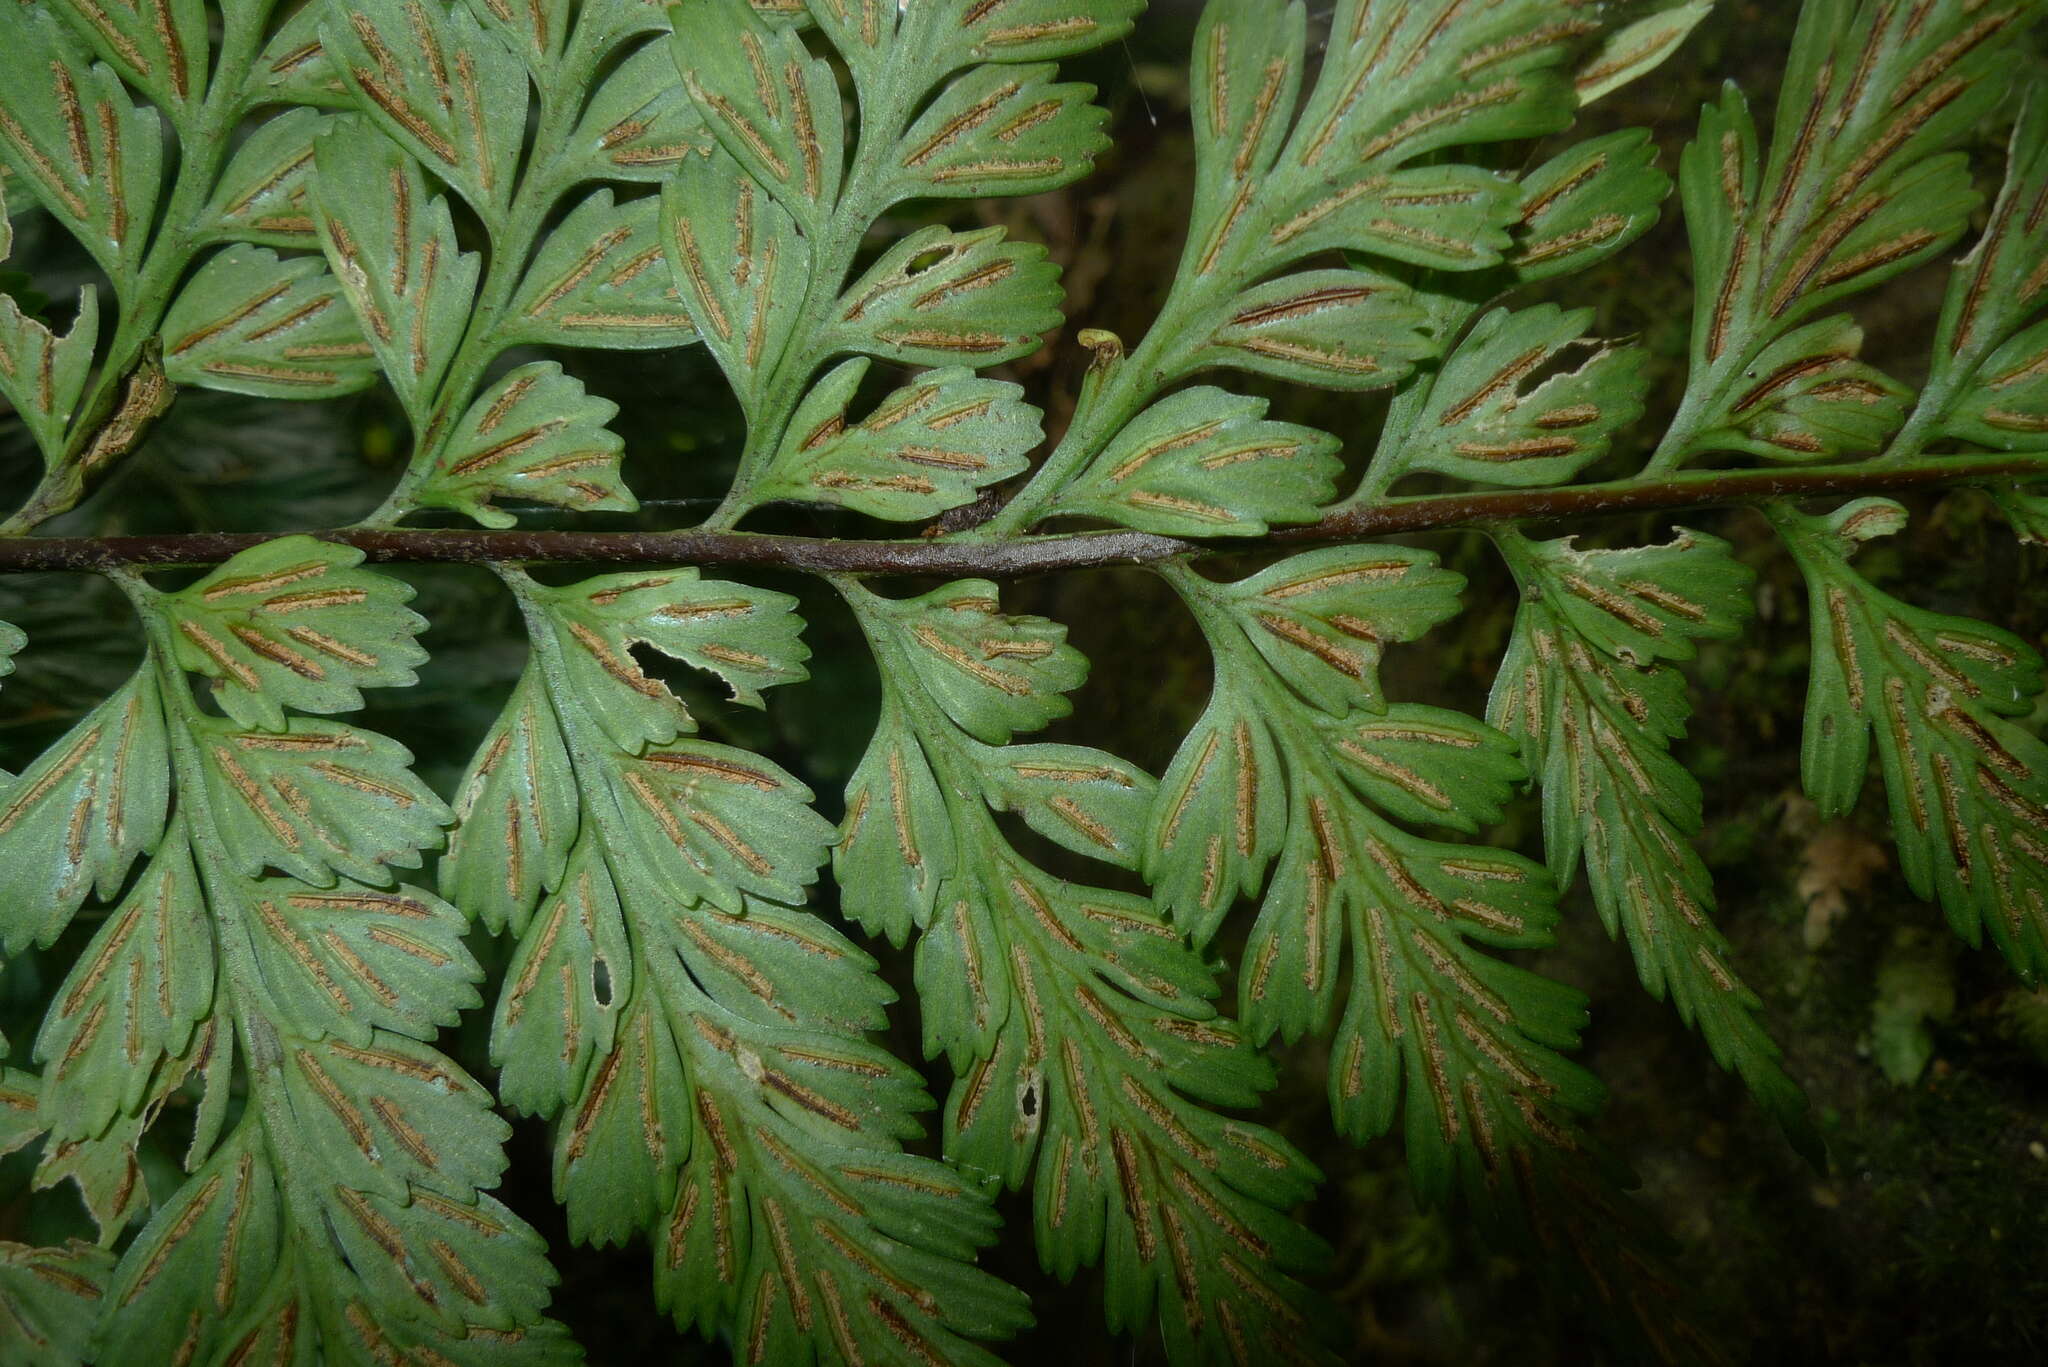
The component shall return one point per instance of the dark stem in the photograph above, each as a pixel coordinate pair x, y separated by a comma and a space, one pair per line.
1010, 558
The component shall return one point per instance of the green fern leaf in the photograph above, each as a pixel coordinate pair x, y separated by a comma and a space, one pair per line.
1086, 1053
132, 999
351, 1181
392, 248
294, 623
50, 1295
741, 267
1298, 764
100, 794
1586, 204
600, 280
252, 324
940, 296
773, 107
997, 130
701, 1042
78, 144
746, 636
1859, 187
1939, 694
452, 94
294, 68
1487, 423
1989, 383
928, 447
60, 365
1584, 689
956, 32
1204, 462
535, 435
639, 125
514, 802
262, 194
162, 52
1635, 50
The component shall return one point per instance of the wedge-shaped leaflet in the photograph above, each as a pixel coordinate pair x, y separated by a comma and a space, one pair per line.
993, 673
392, 247
566, 989
75, 820
1087, 1055
11, 642
601, 280
896, 847
252, 324
998, 130
515, 805
78, 143
535, 435
741, 266
131, 1001
940, 297
296, 623
1860, 184
1634, 50
727, 820
160, 46
1321, 620
639, 125
350, 959
294, 67
452, 93
1204, 462
1967, 783
42, 375
1812, 399
1502, 408
1503, 411
317, 800
2008, 410
1585, 204
956, 32
1989, 382
1091, 802
772, 106
263, 194
1588, 691
50, 1296
705, 1048
747, 636
1331, 329
929, 446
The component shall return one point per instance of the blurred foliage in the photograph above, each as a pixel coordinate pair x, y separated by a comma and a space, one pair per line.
1925, 1241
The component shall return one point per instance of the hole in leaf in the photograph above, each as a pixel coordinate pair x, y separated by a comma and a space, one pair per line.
601, 982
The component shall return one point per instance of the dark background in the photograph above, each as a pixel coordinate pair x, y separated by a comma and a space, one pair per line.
1925, 1240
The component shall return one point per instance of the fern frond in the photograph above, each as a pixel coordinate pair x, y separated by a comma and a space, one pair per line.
702, 1040
1087, 1055
266, 923
1589, 691
1941, 696
763, 235
1862, 183
81, 136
